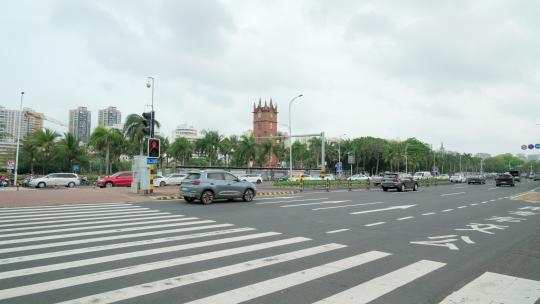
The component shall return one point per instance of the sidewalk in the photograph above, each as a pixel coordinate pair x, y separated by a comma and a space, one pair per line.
9, 197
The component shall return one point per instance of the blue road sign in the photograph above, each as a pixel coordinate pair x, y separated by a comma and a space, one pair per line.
435, 170
537, 146
76, 168
339, 167
151, 161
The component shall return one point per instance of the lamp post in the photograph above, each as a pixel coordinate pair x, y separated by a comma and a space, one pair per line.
290, 134
18, 140
151, 85
339, 151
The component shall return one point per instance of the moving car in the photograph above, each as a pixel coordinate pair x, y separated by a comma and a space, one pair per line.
398, 181
252, 178
476, 179
516, 175
458, 178
172, 179
119, 179
56, 179
422, 175
443, 177
359, 177
504, 179
209, 185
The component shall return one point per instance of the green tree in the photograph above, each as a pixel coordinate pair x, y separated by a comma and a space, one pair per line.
181, 149
71, 150
246, 149
105, 140
209, 145
134, 130
45, 141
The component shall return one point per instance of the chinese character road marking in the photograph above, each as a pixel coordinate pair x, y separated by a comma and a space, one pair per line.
483, 227
502, 219
447, 242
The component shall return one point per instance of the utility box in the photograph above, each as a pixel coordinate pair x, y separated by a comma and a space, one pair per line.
141, 175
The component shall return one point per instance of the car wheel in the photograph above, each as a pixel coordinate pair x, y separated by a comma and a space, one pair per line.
41, 185
248, 195
415, 188
71, 185
207, 197
497, 185
109, 185
259, 181
384, 189
162, 184
189, 199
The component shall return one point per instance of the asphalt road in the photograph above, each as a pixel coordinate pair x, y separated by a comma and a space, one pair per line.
446, 244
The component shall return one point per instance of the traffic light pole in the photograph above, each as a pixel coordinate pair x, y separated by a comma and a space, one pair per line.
152, 120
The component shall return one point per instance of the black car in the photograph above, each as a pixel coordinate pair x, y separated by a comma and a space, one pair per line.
398, 181
504, 179
516, 175
476, 179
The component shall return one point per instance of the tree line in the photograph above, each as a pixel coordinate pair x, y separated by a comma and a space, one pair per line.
110, 150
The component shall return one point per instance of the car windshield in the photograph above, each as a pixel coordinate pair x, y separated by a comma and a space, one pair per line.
193, 176
390, 175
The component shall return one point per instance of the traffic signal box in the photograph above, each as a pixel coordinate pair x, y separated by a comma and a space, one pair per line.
153, 148
147, 123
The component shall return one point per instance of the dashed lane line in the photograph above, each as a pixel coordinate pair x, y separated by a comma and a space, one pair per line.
405, 218
447, 210
292, 201
345, 206
429, 213
461, 207
339, 230
456, 193
375, 224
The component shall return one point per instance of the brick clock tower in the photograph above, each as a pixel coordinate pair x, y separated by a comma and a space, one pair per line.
264, 125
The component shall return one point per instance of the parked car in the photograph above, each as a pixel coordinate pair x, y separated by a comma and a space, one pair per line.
119, 179
377, 180
299, 177
458, 178
504, 179
174, 179
516, 175
159, 180
476, 179
56, 179
359, 177
252, 178
209, 185
422, 175
536, 177
329, 177
443, 177
398, 181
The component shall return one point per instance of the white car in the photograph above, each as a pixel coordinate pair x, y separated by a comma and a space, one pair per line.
443, 176
359, 177
252, 178
422, 175
159, 180
173, 179
458, 178
329, 177
56, 179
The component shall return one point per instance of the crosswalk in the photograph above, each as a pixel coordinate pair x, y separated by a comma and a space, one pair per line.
107, 253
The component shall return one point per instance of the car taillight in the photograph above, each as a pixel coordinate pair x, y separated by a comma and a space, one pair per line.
196, 182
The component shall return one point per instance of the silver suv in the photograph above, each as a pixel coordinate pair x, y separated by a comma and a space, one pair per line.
209, 185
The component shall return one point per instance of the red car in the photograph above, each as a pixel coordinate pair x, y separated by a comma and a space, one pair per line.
119, 179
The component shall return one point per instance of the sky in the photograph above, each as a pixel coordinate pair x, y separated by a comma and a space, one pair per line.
463, 72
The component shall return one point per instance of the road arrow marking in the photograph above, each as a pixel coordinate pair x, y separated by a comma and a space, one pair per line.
385, 209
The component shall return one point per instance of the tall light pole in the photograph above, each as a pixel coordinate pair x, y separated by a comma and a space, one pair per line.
290, 134
18, 140
339, 151
151, 85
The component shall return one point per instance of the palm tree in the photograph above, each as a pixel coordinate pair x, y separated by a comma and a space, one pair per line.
134, 130
182, 149
45, 141
266, 151
30, 147
209, 145
105, 140
226, 148
70, 148
246, 149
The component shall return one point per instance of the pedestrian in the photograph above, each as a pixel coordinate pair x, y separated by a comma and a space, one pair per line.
2, 180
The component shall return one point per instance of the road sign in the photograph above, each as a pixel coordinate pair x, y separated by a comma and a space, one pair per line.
435, 169
151, 161
339, 167
523, 147
531, 146
10, 163
351, 159
537, 146
76, 168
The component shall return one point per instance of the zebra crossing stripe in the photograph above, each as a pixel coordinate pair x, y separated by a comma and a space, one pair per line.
48, 255
58, 210
59, 207
319, 203
79, 234
371, 290
129, 255
104, 210
154, 221
79, 223
253, 291
161, 285
109, 238
120, 272
496, 288
84, 216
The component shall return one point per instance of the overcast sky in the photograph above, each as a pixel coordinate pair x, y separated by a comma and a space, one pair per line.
462, 72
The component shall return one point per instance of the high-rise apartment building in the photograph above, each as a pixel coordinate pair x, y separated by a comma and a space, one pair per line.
80, 123
9, 123
109, 117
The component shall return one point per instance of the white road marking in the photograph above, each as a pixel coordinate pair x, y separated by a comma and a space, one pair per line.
456, 193
375, 224
81, 221
61, 236
58, 206
83, 216
292, 201
405, 218
496, 288
461, 187
473, 204
346, 206
108, 238
276, 197
492, 188
429, 213
375, 288
500, 198
384, 209
60, 209
484, 202
260, 289
129, 255
446, 210
54, 254
154, 221
339, 230
461, 207
161, 285
492, 200
45, 214
319, 203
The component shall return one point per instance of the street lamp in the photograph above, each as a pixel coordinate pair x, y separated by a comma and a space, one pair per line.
290, 134
150, 84
339, 151
18, 140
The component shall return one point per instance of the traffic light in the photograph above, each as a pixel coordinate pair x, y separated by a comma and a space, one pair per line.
153, 147
147, 123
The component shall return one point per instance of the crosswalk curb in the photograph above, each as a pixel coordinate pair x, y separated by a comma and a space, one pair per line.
168, 198
270, 193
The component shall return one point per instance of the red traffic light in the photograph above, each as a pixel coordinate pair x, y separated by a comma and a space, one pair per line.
153, 148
